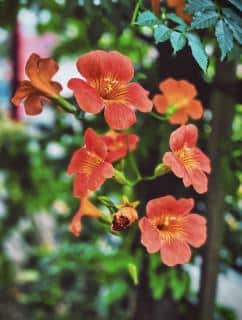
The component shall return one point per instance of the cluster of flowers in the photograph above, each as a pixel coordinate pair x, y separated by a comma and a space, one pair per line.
169, 226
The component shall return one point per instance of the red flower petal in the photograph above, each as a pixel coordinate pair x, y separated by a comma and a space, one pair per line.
33, 105
199, 181
99, 63
119, 116
76, 159
149, 236
99, 175
23, 90
186, 134
87, 97
94, 143
195, 109
175, 252
204, 161
138, 97
80, 187
184, 206
195, 229
156, 207
133, 139
171, 161
160, 103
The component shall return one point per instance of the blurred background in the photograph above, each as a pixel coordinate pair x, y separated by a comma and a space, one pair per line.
46, 273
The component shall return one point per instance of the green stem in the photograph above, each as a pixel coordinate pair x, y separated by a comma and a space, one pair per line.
136, 10
105, 219
65, 105
156, 116
134, 165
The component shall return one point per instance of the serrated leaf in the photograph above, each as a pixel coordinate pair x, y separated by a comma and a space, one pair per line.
204, 19
194, 6
224, 38
173, 17
237, 4
198, 51
178, 41
234, 22
147, 18
162, 33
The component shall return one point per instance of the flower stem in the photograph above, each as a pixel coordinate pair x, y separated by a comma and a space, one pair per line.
136, 10
65, 105
156, 116
134, 165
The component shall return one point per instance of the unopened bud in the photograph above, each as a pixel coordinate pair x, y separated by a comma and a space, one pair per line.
120, 177
160, 170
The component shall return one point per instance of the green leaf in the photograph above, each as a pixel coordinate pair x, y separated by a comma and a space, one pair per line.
205, 19
198, 51
179, 284
147, 18
162, 33
193, 6
237, 4
224, 38
234, 22
173, 17
178, 41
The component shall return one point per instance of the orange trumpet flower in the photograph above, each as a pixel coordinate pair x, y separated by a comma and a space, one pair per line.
180, 94
186, 160
107, 86
170, 227
87, 208
40, 87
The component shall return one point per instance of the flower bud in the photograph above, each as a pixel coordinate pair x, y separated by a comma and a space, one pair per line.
120, 177
123, 218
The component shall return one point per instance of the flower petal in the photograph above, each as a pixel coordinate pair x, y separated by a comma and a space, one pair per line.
80, 186
158, 206
175, 252
24, 89
179, 117
86, 97
33, 105
40, 71
195, 109
138, 97
77, 158
89, 209
160, 103
199, 181
94, 143
169, 86
171, 161
96, 64
185, 134
203, 160
184, 206
99, 175
195, 229
149, 236
119, 66
187, 89
119, 116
